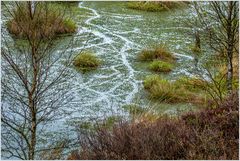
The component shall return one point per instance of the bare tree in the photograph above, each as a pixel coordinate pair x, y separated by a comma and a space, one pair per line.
213, 81
220, 25
34, 78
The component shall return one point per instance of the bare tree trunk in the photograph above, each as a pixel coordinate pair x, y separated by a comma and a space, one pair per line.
30, 9
197, 40
230, 43
229, 72
33, 132
223, 35
33, 95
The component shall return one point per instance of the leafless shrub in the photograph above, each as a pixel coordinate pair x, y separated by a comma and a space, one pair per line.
208, 134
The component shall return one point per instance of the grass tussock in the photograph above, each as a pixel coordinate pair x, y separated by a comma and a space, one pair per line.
133, 109
172, 92
158, 53
160, 59
160, 66
86, 61
47, 21
211, 133
191, 84
154, 6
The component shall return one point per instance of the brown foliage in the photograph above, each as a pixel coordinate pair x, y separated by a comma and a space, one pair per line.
46, 21
208, 134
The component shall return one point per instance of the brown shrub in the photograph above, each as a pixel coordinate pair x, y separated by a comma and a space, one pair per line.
216, 131
136, 141
47, 21
207, 134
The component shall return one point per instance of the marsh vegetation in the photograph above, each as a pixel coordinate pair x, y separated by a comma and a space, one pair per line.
86, 61
119, 80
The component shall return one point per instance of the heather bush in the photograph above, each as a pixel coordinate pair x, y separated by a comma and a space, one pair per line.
211, 133
134, 141
216, 130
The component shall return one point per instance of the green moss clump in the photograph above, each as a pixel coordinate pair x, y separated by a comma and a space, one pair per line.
107, 123
160, 66
86, 61
160, 53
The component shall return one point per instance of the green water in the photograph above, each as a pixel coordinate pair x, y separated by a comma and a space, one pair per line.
117, 34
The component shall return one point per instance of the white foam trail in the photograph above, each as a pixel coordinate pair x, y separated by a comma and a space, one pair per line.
184, 56
126, 46
95, 32
123, 16
117, 80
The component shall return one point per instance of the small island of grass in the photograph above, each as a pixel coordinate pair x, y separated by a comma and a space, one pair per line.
154, 6
86, 61
160, 66
160, 59
183, 89
160, 52
41, 23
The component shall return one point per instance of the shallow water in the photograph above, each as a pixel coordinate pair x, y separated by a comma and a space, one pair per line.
117, 34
